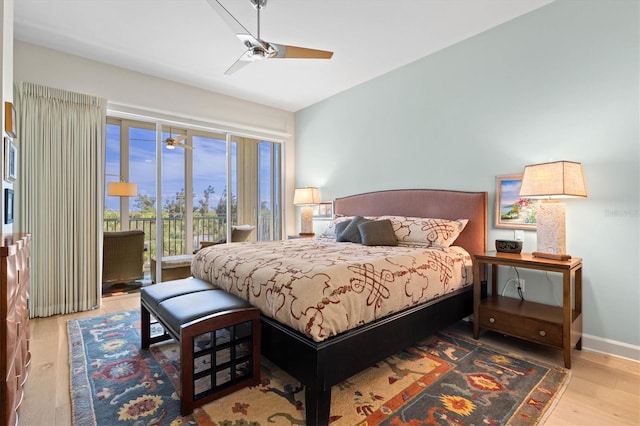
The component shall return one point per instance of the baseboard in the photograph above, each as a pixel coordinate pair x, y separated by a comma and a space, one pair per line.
611, 347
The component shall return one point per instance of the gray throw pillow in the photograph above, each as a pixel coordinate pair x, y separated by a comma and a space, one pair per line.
351, 233
340, 226
378, 233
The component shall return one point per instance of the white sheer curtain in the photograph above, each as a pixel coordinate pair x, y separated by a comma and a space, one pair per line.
60, 195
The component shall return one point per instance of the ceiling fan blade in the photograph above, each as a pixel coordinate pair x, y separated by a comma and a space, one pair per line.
258, 49
173, 145
228, 18
242, 61
290, 52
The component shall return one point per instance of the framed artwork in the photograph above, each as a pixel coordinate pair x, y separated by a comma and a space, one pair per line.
323, 211
10, 160
511, 210
10, 122
8, 205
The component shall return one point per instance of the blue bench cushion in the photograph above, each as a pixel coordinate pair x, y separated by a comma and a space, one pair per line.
155, 294
183, 309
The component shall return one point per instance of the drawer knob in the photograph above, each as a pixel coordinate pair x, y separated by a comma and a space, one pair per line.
492, 320
543, 333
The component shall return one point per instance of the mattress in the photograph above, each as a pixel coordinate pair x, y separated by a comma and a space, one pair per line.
322, 288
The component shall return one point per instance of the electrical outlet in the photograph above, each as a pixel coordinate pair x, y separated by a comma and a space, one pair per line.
518, 235
521, 284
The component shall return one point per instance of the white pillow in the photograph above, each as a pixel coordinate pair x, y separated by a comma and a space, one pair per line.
330, 232
428, 232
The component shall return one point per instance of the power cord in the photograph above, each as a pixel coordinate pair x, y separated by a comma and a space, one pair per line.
516, 281
519, 287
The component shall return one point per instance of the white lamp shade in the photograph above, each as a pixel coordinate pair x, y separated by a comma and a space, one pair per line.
122, 189
560, 179
306, 196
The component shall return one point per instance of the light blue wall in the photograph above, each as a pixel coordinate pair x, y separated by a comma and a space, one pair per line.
560, 83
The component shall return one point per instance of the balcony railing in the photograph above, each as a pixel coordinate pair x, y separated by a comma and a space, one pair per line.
175, 237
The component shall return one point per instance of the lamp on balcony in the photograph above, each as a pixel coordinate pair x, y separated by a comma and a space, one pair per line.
551, 181
122, 188
305, 197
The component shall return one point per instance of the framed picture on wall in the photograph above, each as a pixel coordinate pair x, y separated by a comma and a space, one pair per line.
10, 160
323, 211
8, 205
511, 210
10, 122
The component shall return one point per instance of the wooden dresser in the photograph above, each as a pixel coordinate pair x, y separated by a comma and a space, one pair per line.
14, 323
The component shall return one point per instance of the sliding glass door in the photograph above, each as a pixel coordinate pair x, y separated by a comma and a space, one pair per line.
209, 196
209, 182
269, 191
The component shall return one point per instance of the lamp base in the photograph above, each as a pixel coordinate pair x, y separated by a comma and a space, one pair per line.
551, 255
306, 220
551, 234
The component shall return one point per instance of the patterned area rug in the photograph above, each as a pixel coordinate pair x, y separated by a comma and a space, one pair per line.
444, 380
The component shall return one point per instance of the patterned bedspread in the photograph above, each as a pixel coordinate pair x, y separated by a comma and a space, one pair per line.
323, 288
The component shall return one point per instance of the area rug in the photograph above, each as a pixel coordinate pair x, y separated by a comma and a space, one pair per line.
444, 379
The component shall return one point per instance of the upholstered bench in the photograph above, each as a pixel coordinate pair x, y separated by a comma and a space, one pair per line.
218, 334
173, 267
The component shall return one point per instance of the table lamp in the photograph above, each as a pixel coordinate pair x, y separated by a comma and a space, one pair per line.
550, 182
305, 197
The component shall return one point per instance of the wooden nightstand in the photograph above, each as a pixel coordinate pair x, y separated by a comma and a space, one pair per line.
295, 237
558, 327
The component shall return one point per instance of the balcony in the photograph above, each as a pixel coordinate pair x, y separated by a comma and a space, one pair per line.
175, 240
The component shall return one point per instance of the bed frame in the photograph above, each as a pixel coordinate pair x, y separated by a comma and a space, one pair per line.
320, 365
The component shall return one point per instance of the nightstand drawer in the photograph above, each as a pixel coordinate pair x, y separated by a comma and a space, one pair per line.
528, 328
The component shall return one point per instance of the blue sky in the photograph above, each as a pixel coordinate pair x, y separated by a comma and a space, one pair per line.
209, 166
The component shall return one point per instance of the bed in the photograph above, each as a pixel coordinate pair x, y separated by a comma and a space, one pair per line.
320, 352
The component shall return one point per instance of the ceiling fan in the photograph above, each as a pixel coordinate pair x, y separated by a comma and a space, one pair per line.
172, 142
258, 49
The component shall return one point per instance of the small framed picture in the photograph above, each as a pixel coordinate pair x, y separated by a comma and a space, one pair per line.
10, 160
8, 205
10, 122
511, 210
323, 211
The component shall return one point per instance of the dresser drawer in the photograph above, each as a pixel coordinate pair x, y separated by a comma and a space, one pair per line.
536, 330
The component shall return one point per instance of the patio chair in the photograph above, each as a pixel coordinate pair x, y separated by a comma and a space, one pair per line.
122, 257
239, 234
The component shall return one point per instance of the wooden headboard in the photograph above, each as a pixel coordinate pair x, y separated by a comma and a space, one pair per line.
426, 203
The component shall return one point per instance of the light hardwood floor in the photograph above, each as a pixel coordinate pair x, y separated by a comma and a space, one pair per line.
603, 390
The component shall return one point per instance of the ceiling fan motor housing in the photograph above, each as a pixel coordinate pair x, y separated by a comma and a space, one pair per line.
259, 4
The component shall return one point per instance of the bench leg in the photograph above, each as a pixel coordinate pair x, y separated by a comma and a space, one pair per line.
187, 403
145, 327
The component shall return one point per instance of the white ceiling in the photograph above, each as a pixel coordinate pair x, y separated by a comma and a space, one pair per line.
187, 41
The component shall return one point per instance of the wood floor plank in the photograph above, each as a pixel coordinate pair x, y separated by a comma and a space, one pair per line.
603, 389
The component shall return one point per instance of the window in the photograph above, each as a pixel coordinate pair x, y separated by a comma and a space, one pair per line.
211, 179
